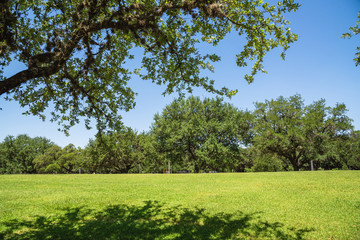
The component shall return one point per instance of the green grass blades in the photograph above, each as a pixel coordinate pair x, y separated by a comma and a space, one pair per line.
285, 205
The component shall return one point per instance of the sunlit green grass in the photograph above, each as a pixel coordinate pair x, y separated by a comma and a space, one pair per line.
309, 205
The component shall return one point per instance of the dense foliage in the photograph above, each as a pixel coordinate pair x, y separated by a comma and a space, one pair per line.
297, 134
76, 53
17, 154
115, 152
58, 160
194, 135
202, 135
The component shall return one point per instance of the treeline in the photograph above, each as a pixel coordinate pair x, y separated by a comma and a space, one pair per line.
197, 135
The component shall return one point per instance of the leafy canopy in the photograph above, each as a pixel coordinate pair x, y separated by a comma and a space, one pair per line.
77, 53
298, 133
17, 154
201, 134
115, 152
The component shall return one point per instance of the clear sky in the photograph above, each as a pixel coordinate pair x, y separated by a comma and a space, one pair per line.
319, 65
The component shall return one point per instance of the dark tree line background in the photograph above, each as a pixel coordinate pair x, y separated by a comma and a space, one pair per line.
204, 135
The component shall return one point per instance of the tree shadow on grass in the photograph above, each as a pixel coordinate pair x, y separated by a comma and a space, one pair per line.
152, 220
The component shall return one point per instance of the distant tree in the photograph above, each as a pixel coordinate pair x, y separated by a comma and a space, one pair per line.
153, 160
48, 161
90, 163
69, 159
76, 52
17, 153
352, 151
297, 133
59, 160
335, 136
354, 31
115, 152
201, 135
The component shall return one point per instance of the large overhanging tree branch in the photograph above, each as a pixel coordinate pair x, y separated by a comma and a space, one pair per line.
76, 52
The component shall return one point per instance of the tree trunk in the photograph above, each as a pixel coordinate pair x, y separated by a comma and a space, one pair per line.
196, 169
295, 163
296, 167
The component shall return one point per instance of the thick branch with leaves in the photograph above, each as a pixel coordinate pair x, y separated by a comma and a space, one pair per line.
77, 53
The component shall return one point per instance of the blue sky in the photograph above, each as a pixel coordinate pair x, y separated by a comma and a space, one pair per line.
319, 65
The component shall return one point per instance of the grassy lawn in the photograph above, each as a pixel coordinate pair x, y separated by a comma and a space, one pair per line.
286, 205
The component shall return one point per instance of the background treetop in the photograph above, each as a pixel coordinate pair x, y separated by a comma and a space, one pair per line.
76, 52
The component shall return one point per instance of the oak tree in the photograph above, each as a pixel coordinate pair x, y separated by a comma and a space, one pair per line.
202, 135
297, 133
77, 54
17, 154
115, 152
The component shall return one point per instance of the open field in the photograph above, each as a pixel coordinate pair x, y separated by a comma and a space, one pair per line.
286, 205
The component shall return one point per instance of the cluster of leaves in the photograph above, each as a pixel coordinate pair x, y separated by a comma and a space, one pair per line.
353, 31
77, 53
204, 135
